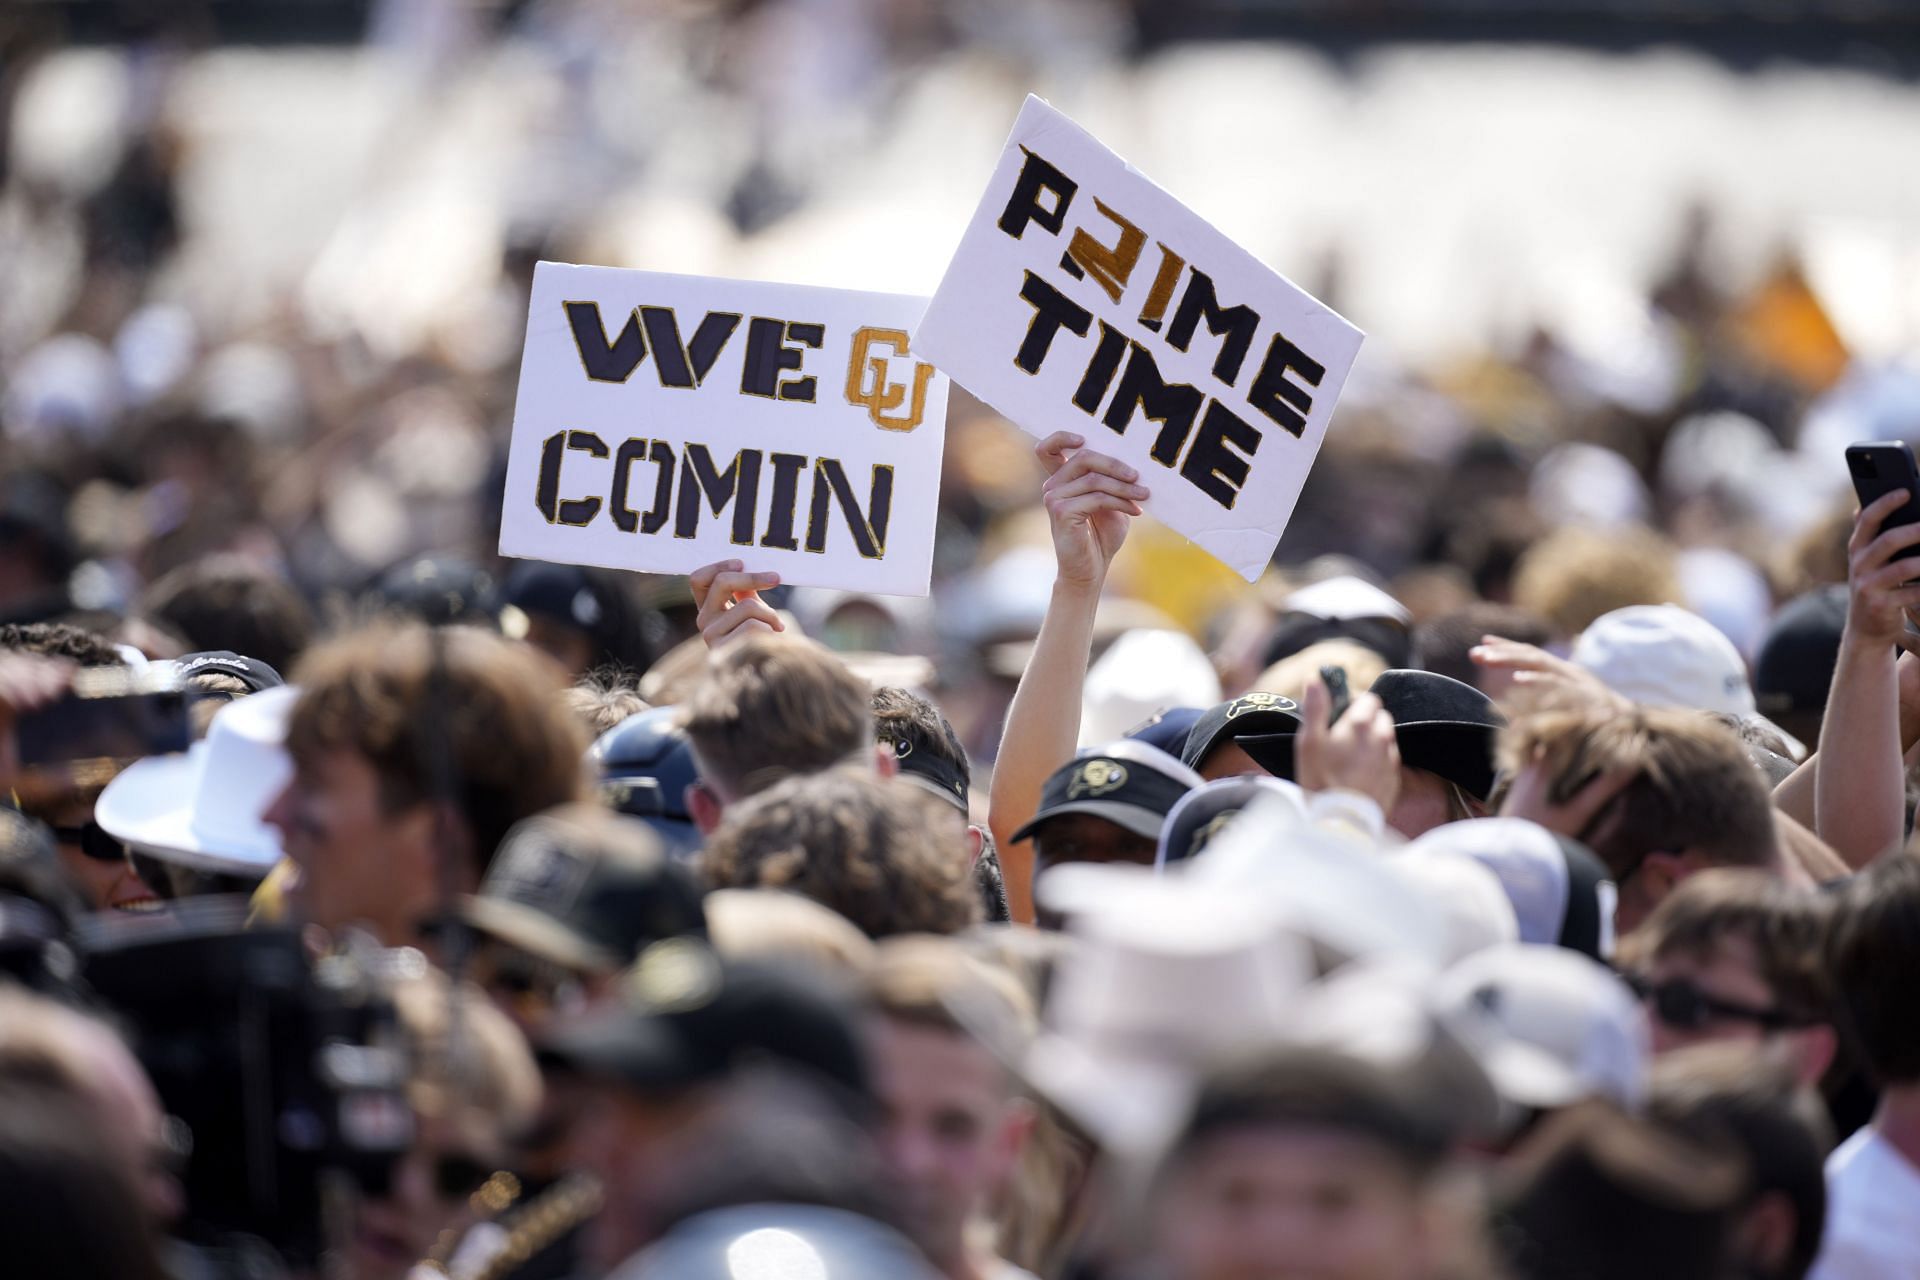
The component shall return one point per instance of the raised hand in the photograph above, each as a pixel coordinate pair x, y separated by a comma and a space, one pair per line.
1358, 752
1878, 594
728, 598
1091, 498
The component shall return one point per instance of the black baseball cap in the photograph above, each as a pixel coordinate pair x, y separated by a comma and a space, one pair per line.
1442, 726
645, 764
1130, 784
1801, 648
686, 1016
1249, 715
252, 672
920, 766
440, 591
1204, 812
586, 889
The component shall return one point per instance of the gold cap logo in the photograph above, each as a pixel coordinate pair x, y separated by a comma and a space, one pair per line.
1258, 702
1096, 778
674, 975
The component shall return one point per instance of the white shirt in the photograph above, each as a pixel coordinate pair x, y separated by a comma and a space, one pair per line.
1873, 1213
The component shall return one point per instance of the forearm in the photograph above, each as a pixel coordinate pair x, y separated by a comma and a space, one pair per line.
1043, 730
1860, 779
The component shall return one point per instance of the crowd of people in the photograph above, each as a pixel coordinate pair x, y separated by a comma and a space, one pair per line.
1512, 885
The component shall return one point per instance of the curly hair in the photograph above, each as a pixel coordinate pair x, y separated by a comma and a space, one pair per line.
850, 841
1574, 574
61, 640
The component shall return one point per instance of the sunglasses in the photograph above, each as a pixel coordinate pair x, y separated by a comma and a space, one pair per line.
457, 1176
1684, 1006
93, 842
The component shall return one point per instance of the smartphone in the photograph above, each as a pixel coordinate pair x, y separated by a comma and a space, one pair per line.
110, 713
1335, 678
1878, 468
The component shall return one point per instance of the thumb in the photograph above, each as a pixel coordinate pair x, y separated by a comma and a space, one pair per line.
1315, 703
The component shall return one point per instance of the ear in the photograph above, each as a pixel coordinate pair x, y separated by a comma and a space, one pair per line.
976, 844
1767, 1231
885, 763
1661, 873
704, 807
1813, 1050
1016, 1128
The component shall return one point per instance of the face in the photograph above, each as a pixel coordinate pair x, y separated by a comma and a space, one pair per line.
951, 1131
126, 1098
632, 1145
1228, 760
1425, 802
1081, 837
429, 1193
568, 646
354, 862
1291, 1204
1729, 973
529, 989
106, 882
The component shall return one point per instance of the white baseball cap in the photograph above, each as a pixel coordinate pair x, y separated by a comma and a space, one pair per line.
202, 808
1466, 897
1141, 674
1664, 656
1560, 892
1551, 1026
1344, 598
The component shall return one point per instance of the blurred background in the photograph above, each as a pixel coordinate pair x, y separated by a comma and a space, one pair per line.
1632, 266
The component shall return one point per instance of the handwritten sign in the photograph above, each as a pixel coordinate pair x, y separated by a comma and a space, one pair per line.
1085, 298
665, 422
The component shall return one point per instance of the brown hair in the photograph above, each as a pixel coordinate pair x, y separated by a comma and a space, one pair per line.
771, 707
1786, 927
936, 983
1873, 955
850, 841
513, 748
1573, 575
1693, 787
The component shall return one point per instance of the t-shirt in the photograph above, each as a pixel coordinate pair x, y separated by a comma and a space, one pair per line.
1873, 1213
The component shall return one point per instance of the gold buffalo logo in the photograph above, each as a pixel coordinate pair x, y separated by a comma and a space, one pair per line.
1097, 778
884, 396
1258, 702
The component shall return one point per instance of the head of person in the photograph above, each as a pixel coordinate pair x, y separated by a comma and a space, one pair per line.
1721, 1094
782, 927
1445, 732
603, 700
1290, 676
41, 1040
1693, 799
647, 772
1213, 744
1661, 655
217, 677
99, 866
1445, 645
1108, 804
583, 618
1575, 574
928, 754
1794, 667
856, 843
66, 1205
952, 1123
768, 708
1560, 892
1304, 1162
230, 603
653, 1067
1737, 956
1598, 1192
574, 895
1873, 961
474, 1088
384, 714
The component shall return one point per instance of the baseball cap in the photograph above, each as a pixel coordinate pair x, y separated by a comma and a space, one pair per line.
923, 767
1795, 664
1140, 673
646, 764
1465, 897
1442, 726
1664, 656
685, 1016
1167, 730
1206, 811
799, 1240
1249, 715
1561, 892
252, 672
1128, 783
1550, 1026
439, 590
586, 889
1345, 596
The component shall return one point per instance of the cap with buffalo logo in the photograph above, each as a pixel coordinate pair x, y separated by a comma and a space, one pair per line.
686, 1016
1249, 715
585, 889
1128, 783
1442, 726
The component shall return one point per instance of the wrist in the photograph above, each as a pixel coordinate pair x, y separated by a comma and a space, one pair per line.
1078, 591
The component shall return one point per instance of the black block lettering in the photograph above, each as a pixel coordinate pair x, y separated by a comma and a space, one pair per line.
784, 502
869, 528
546, 492
1272, 392
686, 366
1172, 404
1051, 310
1024, 206
1212, 465
603, 361
1238, 324
1100, 369
738, 484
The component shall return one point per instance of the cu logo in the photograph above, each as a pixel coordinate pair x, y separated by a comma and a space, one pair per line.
883, 396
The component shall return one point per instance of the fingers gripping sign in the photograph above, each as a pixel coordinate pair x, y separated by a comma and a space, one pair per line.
1091, 499
728, 599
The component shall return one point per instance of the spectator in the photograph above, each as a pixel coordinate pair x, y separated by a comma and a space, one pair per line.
227, 603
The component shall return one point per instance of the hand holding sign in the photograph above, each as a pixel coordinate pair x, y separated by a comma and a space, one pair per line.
1080, 288
729, 604
1090, 500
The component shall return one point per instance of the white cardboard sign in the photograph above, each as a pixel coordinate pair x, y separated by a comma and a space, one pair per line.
1085, 298
665, 422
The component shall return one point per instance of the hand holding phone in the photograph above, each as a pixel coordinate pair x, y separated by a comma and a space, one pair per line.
1878, 468
1335, 678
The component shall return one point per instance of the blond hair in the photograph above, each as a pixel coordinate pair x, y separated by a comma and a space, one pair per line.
1290, 676
1575, 574
770, 923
